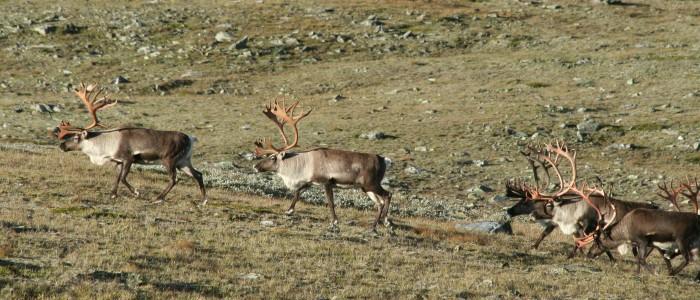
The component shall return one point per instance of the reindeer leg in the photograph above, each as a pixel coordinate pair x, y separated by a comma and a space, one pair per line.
331, 204
297, 195
126, 168
385, 211
189, 170
173, 180
116, 182
641, 256
683, 248
547, 230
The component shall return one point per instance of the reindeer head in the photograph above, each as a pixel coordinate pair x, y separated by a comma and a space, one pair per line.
72, 137
280, 115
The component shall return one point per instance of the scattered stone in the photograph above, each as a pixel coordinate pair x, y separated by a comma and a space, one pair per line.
46, 108
631, 81
421, 149
291, 42
413, 170
338, 98
407, 34
18, 109
499, 198
120, 80
622, 146
44, 29
487, 227
267, 223
223, 36
588, 126
373, 135
696, 146
71, 28
241, 44
248, 155
251, 276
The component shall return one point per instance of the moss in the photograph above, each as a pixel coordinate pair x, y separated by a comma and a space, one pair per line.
648, 127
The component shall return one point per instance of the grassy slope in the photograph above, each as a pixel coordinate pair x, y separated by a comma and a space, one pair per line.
63, 237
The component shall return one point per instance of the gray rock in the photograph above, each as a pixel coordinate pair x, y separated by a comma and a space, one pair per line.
291, 42
621, 146
413, 170
248, 155
223, 36
46, 108
120, 80
588, 126
18, 109
267, 223
421, 149
44, 29
338, 98
486, 227
251, 276
241, 44
373, 135
631, 81
500, 198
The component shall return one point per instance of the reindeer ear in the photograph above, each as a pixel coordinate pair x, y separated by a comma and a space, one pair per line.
282, 155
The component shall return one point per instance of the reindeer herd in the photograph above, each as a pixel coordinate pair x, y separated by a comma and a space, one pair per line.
595, 218
591, 215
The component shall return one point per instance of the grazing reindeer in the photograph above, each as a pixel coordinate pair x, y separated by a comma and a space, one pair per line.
568, 212
327, 167
671, 232
127, 146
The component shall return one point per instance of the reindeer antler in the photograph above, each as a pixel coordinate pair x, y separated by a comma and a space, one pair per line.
670, 194
554, 154
692, 192
280, 115
66, 128
88, 95
534, 154
93, 104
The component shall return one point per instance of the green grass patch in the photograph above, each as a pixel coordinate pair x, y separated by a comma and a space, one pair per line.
649, 127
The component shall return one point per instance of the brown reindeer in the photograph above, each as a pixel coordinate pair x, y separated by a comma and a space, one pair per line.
126, 146
569, 207
327, 167
672, 232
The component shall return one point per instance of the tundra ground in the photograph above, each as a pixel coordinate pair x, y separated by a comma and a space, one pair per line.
456, 86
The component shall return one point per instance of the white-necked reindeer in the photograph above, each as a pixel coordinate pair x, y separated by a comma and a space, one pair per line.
327, 167
126, 146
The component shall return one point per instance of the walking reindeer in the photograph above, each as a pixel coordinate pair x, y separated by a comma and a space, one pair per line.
329, 168
125, 146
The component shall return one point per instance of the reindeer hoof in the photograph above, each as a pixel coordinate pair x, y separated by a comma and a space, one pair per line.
157, 201
289, 212
113, 196
136, 194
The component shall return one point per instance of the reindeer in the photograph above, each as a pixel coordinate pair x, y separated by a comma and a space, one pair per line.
125, 146
565, 207
327, 167
672, 232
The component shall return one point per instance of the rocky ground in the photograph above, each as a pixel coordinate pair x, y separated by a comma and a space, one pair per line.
449, 90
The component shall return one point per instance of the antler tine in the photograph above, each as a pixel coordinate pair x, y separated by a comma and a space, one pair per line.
264, 146
279, 113
65, 128
670, 194
692, 193
570, 155
92, 103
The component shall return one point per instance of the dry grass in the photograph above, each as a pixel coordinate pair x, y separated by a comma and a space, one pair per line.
474, 68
